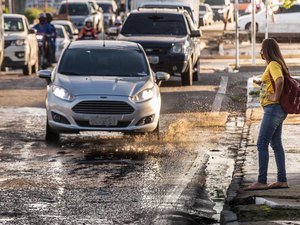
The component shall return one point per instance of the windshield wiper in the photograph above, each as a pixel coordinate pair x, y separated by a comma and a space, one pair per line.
69, 73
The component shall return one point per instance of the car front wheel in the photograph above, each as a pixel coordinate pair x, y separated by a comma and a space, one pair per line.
187, 77
51, 136
27, 69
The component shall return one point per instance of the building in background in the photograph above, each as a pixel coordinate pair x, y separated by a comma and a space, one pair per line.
42, 4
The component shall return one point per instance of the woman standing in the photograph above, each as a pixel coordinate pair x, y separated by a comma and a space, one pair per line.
273, 117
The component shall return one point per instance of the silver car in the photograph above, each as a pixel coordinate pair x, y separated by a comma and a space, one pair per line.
102, 86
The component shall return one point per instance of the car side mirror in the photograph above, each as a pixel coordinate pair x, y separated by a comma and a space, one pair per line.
195, 33
76, 32
32, 31
45, 74
162, 76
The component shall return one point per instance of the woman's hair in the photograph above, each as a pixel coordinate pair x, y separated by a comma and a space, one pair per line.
272, 52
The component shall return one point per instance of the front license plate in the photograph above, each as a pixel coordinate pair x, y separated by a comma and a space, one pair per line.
153, 59
103, 121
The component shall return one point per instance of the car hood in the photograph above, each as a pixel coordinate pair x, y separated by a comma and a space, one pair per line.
14, 35
153, 41
96, 85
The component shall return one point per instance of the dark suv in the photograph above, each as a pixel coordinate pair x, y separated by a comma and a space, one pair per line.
169, 39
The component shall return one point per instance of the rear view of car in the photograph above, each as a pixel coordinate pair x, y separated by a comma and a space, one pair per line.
112, 89
109, 10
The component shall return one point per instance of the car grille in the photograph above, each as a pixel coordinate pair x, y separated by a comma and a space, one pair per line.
121, 124
103, 107
157, 51
7, 43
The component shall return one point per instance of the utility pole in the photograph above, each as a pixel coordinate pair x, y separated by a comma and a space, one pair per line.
253, 31
267, 20
237, 36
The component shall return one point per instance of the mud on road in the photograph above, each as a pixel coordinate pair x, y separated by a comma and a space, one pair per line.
109, 178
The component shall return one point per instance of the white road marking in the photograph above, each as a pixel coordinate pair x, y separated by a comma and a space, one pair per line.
220, 95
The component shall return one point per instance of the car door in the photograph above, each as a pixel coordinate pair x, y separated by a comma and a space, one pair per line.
286, 20
32, 42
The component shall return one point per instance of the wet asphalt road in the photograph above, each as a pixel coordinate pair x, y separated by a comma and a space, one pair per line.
109, 178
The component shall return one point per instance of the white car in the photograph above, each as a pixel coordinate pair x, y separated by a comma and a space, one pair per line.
69, 27
88, 92
109, 8
62, 40
21, 46
80, 10
280, 20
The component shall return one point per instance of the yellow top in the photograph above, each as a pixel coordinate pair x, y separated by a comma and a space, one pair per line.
274, 69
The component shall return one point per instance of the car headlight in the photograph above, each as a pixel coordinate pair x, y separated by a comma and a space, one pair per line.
180, 47
144, 95
62, 93
20, 42
220, 11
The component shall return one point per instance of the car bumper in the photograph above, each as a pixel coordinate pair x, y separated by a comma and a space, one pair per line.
63, 118
16, 56
172, 63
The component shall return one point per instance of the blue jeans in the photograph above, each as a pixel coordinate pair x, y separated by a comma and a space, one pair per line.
270, 132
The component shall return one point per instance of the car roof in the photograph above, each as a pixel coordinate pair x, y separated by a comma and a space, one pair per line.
12, 15
76, 1
157, 10
99, 44
59, 26
61, 22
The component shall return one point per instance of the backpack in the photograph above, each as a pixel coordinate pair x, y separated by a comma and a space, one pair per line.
290, 96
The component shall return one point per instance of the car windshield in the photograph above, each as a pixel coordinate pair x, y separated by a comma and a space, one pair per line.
75, 9
157, 24
103, 62
215, 2
13, 24
106, 7
68, 29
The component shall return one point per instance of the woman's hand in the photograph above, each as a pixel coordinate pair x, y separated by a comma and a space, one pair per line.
272, 97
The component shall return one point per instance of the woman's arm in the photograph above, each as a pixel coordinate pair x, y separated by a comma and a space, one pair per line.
278, 90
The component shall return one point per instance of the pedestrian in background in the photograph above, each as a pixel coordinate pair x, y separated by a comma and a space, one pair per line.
273, 117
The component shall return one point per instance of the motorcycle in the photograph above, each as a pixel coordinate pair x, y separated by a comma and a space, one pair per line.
45, 53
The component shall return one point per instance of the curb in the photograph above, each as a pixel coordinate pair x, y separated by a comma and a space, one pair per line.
228, 216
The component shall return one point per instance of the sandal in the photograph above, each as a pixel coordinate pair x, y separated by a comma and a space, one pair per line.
278, 185
256, 186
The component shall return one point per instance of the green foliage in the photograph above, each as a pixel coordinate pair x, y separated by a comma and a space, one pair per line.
288, 3
5, 10
32, 14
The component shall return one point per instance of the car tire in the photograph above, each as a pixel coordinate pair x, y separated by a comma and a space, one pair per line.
187, 77
27, 70
248, 27
195, 71
51, 136
35, 67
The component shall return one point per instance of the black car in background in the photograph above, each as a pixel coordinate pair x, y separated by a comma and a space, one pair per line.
169, 38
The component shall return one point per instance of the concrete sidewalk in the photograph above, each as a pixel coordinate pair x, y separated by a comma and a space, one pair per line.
276, 206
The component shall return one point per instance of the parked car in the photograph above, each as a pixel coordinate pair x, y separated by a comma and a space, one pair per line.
223, 9
78, 11
69, 27
281, 20
110, 9
21, 46
62, 40
97, 95
206, 14
169, 37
